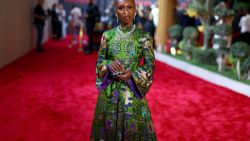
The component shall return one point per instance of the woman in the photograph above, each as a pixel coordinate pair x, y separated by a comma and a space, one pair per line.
121, 111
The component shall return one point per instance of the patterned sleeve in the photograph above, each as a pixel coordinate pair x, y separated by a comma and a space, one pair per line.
142, 76
102, 61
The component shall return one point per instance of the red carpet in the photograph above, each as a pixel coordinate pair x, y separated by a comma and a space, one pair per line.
51, 96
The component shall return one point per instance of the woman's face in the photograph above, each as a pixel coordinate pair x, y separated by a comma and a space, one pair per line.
125, 10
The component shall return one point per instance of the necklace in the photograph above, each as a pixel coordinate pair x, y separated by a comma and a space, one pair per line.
124, 35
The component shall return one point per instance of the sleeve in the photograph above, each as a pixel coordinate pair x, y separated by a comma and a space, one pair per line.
142, 76
102, 65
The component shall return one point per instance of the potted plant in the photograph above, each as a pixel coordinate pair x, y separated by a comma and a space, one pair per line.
246, 68
240, 51
175, 33
222, 33
203, 11
204, 56
190, 36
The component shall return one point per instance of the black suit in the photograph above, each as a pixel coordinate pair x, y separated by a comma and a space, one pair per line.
93, 16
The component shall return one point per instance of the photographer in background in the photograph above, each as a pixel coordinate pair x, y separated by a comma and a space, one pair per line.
39, 21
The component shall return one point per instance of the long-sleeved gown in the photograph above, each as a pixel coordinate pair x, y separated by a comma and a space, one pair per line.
121, 111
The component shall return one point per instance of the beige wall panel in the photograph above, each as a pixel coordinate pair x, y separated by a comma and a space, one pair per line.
166, 20
15, 30
3, 37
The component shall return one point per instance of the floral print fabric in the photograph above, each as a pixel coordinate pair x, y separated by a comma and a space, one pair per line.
120, 114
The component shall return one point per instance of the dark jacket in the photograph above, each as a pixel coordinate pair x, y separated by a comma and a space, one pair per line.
38, 10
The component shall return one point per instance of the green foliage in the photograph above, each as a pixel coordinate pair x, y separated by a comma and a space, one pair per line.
221, 42
175, 31
220, 35
190, 33
208, 30
204, 56
222, 30
198, 6
231, 13
246, 65
240, 50
243, 5
188, 48
232, 59
223, 11
203, 8
181, 45
230, 73
200, 1
222, 51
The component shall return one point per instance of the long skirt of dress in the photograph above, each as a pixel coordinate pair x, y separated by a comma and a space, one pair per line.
120, 116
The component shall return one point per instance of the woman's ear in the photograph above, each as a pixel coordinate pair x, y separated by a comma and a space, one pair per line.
117, 20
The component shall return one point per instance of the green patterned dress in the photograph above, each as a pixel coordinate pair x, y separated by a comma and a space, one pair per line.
122, 112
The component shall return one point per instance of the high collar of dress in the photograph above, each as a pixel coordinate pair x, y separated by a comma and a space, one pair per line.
126, 29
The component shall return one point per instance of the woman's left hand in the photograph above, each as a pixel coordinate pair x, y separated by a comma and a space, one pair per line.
125, 75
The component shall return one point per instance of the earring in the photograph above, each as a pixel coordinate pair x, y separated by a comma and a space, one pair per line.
117, 20
134, 17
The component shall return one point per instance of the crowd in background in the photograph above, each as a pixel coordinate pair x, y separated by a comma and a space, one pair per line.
92, 21
95, 22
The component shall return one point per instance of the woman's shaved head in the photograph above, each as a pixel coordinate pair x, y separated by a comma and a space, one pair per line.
125, 11
124, 0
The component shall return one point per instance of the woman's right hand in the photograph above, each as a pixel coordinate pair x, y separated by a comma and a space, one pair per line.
116, 66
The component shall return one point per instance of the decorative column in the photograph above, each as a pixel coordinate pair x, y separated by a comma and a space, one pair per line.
166, 20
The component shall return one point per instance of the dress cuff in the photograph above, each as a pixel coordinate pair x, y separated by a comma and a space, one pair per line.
132, 85
108, 78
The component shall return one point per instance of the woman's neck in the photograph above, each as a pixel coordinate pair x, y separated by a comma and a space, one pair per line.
127, 25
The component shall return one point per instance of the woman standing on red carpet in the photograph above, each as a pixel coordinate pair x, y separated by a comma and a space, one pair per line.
122, 112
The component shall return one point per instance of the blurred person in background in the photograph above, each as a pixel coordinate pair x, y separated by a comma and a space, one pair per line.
92, 16
244, 25
155, 13
149, 23
61, 14
111, 12
39, 18
140, 17
55, 22
75, 23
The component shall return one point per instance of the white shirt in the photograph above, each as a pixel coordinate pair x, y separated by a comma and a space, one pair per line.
155, 14
245, 23
76, 14
61, 14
